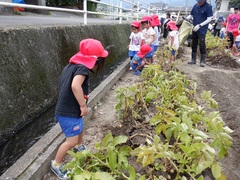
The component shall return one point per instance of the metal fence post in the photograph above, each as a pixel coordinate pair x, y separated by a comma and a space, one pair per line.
85, 11
120, 12
138, 4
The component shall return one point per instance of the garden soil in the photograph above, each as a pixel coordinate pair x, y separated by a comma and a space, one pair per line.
222, 79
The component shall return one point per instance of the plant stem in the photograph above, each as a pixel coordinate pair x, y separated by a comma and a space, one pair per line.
106, 165
144, 135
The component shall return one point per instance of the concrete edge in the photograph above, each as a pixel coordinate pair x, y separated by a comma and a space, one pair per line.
35, 162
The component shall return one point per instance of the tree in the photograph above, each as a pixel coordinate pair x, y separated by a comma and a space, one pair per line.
234, 3
91, 6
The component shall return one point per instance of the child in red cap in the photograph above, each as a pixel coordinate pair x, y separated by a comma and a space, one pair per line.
223, 31
173, 42
149, 35
72, 100
136, 39
236, 42
137, 61
155, 23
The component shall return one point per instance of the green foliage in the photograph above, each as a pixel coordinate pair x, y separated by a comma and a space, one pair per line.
216, 46
62, 2
234, 3
91, 6
195, 136
190, 135
108, 162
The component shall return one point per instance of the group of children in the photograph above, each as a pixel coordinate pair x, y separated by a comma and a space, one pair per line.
144, 43
71, 106
229, 28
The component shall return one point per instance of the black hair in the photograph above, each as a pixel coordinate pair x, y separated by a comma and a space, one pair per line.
147, 22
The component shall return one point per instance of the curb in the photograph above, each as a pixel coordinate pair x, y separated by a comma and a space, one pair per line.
36, 161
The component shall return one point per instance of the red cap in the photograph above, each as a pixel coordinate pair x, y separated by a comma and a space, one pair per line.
154, 16
136, 24
235, 32
155, 21
89, 51
145, 18
145, 48
172, 25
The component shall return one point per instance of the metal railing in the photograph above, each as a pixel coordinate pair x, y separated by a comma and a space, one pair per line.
119, 12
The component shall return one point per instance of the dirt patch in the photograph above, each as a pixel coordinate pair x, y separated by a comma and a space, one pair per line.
224, 82
223, 62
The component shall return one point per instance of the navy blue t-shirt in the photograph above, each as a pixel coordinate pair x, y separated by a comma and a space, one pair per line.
200, 14
67, 105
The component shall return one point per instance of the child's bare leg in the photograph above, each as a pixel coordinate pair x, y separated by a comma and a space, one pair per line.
69, 143
151, 60
141, 66
80, 137
234, 49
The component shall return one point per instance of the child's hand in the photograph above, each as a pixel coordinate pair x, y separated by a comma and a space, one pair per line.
84, 110
135, 62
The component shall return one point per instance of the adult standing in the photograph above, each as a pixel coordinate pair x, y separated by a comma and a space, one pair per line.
167, 19
201, 14
232, 23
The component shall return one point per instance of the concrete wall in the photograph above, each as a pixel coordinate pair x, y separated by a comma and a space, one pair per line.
31, 60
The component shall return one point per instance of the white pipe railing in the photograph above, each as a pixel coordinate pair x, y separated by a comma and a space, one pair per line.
119, 8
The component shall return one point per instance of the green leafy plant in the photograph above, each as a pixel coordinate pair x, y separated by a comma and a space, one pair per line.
216, 47
108, 162
190, 136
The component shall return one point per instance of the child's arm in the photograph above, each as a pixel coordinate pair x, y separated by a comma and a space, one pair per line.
141, 65
135, 62
153, 39
78, 93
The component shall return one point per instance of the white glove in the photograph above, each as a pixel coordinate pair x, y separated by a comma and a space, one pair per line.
197, 27
189, 17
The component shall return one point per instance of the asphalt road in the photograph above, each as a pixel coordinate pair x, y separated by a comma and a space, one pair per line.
55, 18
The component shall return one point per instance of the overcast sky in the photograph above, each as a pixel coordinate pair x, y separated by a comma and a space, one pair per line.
169, 2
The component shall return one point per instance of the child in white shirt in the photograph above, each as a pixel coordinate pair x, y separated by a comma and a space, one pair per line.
136, 39
223, 31
149, 35
172, 39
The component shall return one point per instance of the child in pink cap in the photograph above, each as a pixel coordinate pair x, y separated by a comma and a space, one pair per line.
236, 42
149, 35
155, 23
137, 62
173, 42
72, 100
136, 39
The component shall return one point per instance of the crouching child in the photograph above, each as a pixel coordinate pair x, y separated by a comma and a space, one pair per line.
137, 62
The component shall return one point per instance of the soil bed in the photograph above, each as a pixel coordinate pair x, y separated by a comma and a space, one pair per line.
222, 77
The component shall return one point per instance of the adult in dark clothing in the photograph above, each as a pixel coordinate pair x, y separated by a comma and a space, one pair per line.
201, 14
165, 30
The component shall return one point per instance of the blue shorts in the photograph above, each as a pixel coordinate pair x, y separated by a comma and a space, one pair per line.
132, 53
150, 54
173, 52
237, 43
155, 48
70, 126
